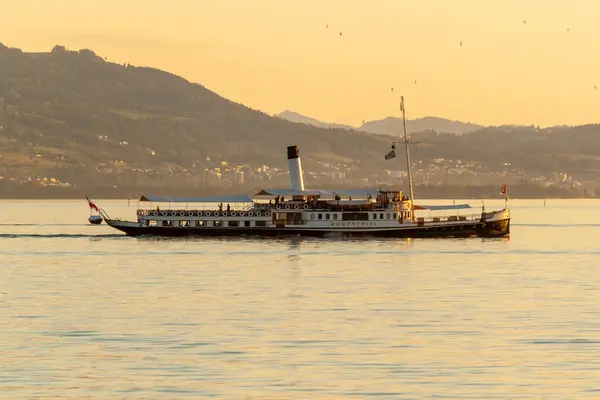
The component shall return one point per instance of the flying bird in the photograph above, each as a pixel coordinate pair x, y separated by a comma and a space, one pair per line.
415, 81
392, 89
568, 29
461, 43
326, 26
340, 33
524, 21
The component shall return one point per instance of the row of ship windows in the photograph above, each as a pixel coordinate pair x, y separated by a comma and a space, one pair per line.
205, 223
334, 216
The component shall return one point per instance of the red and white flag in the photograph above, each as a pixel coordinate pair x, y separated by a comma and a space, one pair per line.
504, 192
92, 205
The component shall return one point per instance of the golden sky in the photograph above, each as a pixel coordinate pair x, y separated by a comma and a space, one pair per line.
521, 61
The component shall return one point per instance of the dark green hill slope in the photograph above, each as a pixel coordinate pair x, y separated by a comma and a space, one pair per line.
77, 106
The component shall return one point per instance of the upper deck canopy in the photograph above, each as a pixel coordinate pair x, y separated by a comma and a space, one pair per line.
324, 193
238, 198
442, 207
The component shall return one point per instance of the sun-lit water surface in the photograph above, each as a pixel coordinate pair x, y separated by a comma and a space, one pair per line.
88, 313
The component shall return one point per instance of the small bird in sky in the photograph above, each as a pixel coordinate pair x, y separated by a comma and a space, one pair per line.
326, 26
340, 33
524, 21
461, 42
415, 81
392, 89
568, 29
595, 87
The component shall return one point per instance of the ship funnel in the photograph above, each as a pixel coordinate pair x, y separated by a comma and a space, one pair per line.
295, 168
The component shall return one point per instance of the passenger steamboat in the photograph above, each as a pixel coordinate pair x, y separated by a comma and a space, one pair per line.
306, 212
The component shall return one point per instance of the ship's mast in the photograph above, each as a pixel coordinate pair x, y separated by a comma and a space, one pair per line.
408, 167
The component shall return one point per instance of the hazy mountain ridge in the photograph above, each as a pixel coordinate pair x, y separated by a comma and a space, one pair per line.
391, 125
302, 119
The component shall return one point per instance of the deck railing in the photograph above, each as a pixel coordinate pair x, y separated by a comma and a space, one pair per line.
251, 212
104, 214
269, 207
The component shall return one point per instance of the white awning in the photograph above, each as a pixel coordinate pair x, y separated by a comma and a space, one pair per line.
238, 198
443, 207
322, 192
290, 192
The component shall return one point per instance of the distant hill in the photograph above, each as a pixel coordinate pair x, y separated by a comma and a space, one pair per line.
299, 118
391, 125
73, 114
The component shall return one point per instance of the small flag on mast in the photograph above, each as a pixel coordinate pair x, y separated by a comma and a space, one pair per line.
504, 192
92, 205
390, 155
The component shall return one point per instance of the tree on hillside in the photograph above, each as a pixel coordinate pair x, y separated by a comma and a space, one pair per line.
59, 49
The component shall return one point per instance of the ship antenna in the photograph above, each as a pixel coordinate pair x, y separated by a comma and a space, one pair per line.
408, 167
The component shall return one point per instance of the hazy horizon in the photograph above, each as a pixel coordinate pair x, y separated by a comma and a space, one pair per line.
481, 63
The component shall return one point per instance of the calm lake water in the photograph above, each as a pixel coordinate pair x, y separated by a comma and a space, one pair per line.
88, 313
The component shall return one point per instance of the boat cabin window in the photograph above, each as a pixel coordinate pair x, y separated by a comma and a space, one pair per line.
246, 223
152, 222
218, 223
312, 216
335, 216
355, 216
260, 223
233, 223
394, 215
327, 216
381, 216
387, 216
374, 215
320, 216
200, 223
